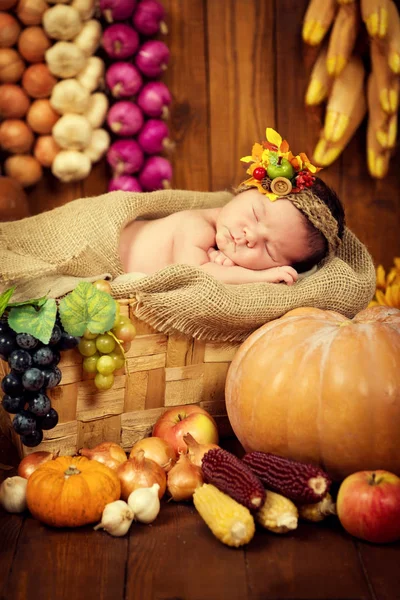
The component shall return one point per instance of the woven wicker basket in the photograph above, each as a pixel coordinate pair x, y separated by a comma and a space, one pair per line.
163, 371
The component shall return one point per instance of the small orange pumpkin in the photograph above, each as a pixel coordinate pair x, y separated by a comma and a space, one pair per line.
71, 491
318, 387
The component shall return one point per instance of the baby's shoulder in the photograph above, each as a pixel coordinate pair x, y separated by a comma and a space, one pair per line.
194, 226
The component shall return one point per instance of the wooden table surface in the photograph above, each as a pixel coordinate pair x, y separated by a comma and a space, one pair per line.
177, 558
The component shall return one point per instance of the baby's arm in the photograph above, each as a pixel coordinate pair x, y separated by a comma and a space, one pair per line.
237, 275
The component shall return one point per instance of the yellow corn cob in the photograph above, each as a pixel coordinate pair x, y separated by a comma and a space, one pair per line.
375, 16
387, 82
320, 510
377, 157
385, 125
229, 521
325, 153
393, 38
278, 514
346, 90
317, 20
320, 82
342, 38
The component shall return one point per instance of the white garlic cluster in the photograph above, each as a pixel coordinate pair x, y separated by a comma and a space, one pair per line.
76, 96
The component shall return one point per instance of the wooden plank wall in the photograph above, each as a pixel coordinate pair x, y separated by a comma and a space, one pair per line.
237, 66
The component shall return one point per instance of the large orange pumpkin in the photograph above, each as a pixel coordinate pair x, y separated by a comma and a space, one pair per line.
317, 387
69, 492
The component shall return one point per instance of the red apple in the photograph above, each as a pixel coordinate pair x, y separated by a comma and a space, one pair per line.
180, 420
368, 506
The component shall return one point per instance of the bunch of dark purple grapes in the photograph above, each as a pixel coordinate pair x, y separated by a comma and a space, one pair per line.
33, 370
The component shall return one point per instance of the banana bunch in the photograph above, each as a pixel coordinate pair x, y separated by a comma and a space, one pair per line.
339, 77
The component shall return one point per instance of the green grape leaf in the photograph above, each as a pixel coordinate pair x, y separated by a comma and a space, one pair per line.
4, 298
37, 322
34, 302
273, 158
87, 308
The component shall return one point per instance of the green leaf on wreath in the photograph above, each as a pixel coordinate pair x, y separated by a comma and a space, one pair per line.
34, 302
37, 322
87, 308
4, 298
273, 158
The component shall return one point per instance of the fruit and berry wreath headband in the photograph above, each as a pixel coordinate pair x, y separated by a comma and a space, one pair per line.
276, 172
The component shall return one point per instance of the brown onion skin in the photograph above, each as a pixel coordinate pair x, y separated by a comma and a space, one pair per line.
108, 453
13, 200
41, 116
11, 66
24, 168
30, 463
37, 81
45, 150
9, 30
133, 477
30, 12
150, 451
16, 136
14, 101
6, 4
33, 43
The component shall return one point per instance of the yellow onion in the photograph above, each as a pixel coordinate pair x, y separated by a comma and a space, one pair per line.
196, 451
183, 479
24, 168
30, 463
156, 449
108, 453
140, 472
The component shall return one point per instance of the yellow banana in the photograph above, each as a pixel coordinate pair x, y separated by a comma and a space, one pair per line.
320, 82
385, 125
317, 20
393, 38
387, 82
377, 157
375, 15
326, 152
345, 93
342, 38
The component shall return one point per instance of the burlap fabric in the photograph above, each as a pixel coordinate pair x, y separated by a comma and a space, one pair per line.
51, 252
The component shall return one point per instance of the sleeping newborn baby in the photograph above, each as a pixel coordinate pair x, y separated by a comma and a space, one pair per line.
251, 239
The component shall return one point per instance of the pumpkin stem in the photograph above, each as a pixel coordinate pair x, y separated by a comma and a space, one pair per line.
72, 470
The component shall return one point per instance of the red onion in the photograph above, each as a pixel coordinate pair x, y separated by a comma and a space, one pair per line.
154, 98
156, 174
153, 137
152, 58
117, 10
125, 118
149, 18
120, 40
123, 79
125, 156
125, 183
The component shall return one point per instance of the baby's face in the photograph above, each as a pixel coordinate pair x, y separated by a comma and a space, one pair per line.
256, 233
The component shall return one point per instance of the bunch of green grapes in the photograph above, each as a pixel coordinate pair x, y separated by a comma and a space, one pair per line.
102, 353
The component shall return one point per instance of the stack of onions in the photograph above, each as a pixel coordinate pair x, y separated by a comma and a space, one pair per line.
77, 137
25, 85
137, 115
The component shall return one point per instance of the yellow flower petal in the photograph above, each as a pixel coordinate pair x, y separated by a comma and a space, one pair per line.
380, 278
380, 298
247, 159
257, 151
273, 137
373, 303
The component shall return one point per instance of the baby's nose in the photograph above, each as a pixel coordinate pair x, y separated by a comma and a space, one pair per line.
251, 237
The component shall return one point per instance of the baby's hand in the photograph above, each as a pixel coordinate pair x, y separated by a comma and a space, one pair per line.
277, 274
219, 258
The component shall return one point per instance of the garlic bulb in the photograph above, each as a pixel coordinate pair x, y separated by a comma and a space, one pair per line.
145, 503
98, 146
72, 132
64, 59
92, 75
69, 96
88, 39
70, 165
62, 22
13, 494
86, 8
96, 110
116, 519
